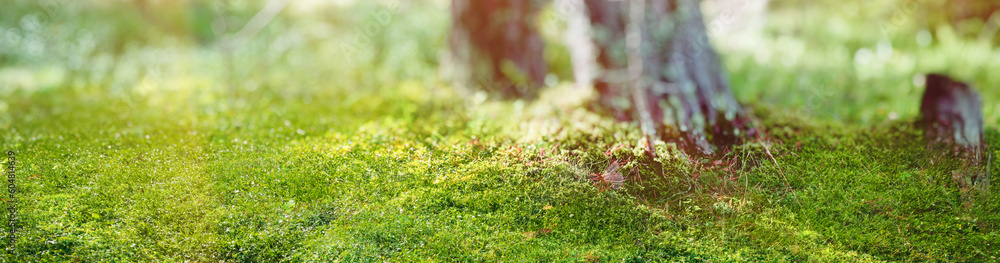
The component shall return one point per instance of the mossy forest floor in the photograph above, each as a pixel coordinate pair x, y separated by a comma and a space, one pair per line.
297, 151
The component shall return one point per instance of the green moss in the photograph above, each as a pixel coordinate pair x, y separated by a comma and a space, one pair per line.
302, 159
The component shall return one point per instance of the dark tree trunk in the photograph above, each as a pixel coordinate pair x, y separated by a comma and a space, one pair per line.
952, 117
951, 113
497, 46
657, 66
675, 86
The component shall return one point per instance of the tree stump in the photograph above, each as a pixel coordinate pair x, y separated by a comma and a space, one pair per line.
952, 114
952, 117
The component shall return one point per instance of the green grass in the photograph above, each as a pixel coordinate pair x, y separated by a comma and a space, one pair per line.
294, 156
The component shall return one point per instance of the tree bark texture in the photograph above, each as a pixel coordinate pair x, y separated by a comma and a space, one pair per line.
655, 64
683, 90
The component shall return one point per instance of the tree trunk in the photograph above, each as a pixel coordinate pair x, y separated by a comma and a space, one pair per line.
656, 64
951, 113
952, 117
678, 88
497, 47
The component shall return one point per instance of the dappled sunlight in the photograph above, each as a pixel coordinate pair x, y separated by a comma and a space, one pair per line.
316, 131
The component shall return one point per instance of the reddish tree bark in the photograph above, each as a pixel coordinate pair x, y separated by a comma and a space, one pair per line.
952, 118
497, 46
951, 113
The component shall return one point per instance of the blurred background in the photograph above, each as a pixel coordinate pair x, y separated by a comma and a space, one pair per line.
847, 61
